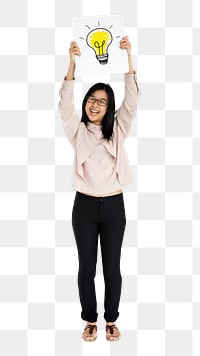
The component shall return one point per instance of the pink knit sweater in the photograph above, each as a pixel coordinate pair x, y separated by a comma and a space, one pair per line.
100, 167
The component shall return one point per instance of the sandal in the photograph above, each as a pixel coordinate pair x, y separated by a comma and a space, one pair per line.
91, 331
110, 329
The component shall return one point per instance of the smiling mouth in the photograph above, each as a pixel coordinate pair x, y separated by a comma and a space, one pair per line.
94, 112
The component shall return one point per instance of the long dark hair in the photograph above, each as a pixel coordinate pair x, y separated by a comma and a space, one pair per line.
109, 117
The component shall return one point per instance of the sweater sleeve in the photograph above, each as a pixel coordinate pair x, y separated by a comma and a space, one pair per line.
128, 108
67, 110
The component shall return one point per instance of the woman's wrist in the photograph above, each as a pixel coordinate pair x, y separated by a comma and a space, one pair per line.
131, 70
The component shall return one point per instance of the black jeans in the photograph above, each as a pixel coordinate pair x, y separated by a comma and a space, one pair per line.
91, 217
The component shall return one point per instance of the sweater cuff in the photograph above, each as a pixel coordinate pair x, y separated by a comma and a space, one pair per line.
68, 83
65, 78
131, 78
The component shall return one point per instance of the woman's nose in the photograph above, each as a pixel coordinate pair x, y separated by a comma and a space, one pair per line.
95, 103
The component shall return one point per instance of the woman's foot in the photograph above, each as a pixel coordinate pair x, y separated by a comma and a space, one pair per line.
112, 332
90, 332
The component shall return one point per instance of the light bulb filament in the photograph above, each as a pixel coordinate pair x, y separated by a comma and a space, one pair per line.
100, 48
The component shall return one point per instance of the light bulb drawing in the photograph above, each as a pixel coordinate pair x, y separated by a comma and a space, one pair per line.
99, 40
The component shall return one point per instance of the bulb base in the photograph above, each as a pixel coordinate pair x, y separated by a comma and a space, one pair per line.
103, 59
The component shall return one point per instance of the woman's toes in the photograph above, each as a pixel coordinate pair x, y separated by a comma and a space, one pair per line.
112, 332
87, 336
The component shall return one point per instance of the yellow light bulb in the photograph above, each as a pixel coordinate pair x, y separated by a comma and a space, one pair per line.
99, 40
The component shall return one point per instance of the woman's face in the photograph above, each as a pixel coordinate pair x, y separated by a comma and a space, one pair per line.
94, 110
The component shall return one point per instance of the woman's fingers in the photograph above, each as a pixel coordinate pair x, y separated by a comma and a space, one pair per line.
125, 44
125, 38
74, 49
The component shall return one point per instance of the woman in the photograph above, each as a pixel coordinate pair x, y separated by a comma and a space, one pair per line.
101, 170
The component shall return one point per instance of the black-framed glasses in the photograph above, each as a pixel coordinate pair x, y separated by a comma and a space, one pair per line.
100, 102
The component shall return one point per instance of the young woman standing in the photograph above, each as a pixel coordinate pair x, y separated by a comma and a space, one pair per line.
101, 170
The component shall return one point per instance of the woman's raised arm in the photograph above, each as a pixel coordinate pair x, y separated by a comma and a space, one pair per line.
66, 104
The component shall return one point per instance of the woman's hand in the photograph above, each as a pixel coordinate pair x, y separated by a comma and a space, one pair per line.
125, 44
74, 50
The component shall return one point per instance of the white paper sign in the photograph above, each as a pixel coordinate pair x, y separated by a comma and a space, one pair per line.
98, 39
